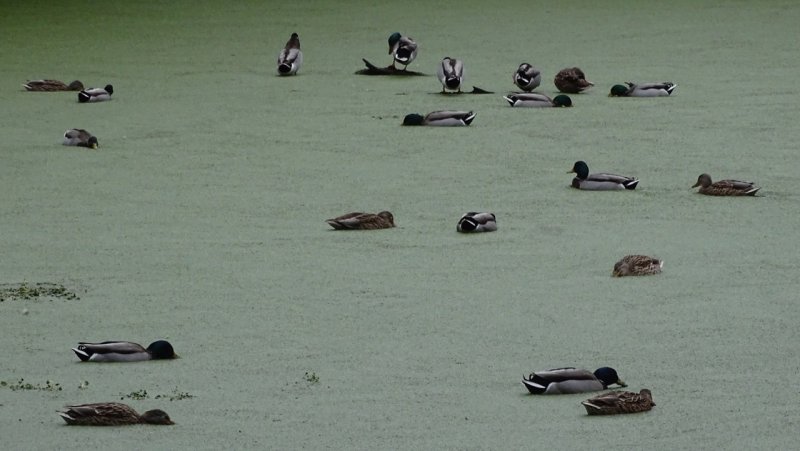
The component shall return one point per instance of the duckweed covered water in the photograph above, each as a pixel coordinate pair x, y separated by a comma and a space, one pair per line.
200, 219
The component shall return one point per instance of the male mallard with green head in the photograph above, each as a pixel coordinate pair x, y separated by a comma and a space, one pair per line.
527, 77
600, 181
52, 85
291, 58
536, 100
123, 351
643, 89
617, 402
111, 414
403, 50
362, 221
80, 137
571, 380
445, 118
725, 187
572, 80
637, 265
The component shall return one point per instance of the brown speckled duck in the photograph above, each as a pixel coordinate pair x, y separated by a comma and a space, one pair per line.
617, 402
111, 414
362, 221
725, 187
52, 85
637, 265
572, 80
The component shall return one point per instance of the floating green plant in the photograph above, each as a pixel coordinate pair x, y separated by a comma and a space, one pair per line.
22, 385
312, 378
43, 290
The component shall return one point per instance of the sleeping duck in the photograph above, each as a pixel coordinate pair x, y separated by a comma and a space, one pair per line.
571, 380
96, 94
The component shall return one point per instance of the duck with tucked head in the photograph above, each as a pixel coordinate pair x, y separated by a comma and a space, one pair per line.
111, 414
536, 100
600, 181
403, 50
571, 380
445, 118
725, 187
618, 402
79, 137
362, 221
52, 85
291, 58
572, 80
96, 94
643, 89
123, 351
451, 74
637, 265
527, 77
474, 222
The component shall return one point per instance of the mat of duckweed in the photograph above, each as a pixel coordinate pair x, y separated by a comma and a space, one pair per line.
200, 220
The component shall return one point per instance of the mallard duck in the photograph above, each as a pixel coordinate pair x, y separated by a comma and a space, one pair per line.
111, 414
451, 74
725, 187
123, 351
291, 58
572, 80
527, 77
599, 181
477, 222
571, 380
52, 85
616, 402
643, 89
403, 50
637, 265
362, 221
441, 118
536, 100
79, 137
96, 94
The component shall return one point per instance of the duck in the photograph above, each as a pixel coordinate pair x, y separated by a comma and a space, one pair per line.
80, 137
616, 402
52, 85
643, 89
362, 221
527, 77
96, 94
291, 58
536, 100
474, 222
599, 181
111, 414
403, 50
571, 380
124, 351
637, 265
725, 187
444, 118
451, 74
572, 80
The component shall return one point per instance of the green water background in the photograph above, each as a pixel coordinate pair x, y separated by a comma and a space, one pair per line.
201, 220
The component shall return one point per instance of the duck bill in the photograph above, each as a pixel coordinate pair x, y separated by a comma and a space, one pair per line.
621, 383
94, 146
696, 185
